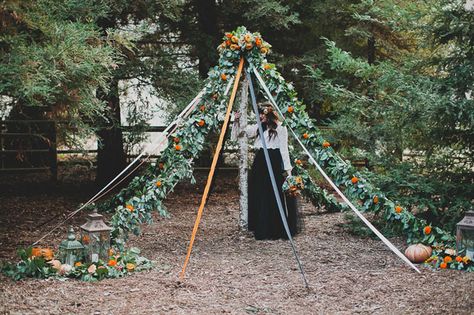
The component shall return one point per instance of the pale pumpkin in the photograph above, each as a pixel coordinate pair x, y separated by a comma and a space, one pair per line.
418, 253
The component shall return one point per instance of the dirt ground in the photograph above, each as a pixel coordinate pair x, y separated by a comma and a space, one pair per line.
229, 272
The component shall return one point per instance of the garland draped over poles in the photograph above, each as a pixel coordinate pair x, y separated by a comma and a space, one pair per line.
134, 204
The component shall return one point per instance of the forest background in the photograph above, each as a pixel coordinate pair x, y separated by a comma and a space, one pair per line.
392, 80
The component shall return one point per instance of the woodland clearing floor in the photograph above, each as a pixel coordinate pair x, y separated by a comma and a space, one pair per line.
229, 272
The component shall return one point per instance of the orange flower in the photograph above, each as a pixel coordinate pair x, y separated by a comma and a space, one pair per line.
77, 264
298, 162
443, 265
398, 209
228, 43
427, 230
465, 259
326, 144
267, 66
354, 180
290, 109
234, 39
223, 77
201, 123
248, 46
258, 42
305, 135
234, 47
158, 184
448, 259
176, 140
130, 266
47, 253
86, 239
202, 108
112, 263
458, 258
376, 199
248, 37
130, 208
177, 147
264, 50
228, 35
111, 252
36, 252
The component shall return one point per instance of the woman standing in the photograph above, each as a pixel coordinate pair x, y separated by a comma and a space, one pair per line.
264, 217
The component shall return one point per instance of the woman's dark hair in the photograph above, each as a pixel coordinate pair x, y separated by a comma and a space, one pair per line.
272, 118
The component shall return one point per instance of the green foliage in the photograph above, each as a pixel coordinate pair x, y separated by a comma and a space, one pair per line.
119, 265
29, 266
411, 119
52, 56
447, 259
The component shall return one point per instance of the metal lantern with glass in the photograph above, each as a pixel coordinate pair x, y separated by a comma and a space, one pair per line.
95, 236
465, 236
70, 250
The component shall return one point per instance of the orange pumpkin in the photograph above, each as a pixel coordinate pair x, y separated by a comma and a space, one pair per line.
418, 253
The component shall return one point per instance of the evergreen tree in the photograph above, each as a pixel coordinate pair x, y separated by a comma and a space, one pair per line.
411, 118
52, 57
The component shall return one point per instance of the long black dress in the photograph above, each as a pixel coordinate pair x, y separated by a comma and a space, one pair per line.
264, 217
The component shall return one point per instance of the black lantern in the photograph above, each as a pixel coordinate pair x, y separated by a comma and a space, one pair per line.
465, 236
95, 236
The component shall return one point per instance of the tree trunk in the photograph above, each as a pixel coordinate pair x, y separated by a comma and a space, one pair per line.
209, 35
111, 158
371, 50
243, 157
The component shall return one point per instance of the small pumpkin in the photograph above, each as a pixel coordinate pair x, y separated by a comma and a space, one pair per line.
418, 253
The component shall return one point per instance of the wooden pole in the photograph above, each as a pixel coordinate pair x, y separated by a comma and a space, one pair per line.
213, 167
243, 154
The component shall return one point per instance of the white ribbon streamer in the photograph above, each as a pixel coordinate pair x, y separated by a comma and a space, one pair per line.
162, 137
357, 212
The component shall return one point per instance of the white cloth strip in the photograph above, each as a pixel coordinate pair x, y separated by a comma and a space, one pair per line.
353, 208
183, 113
180, 115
